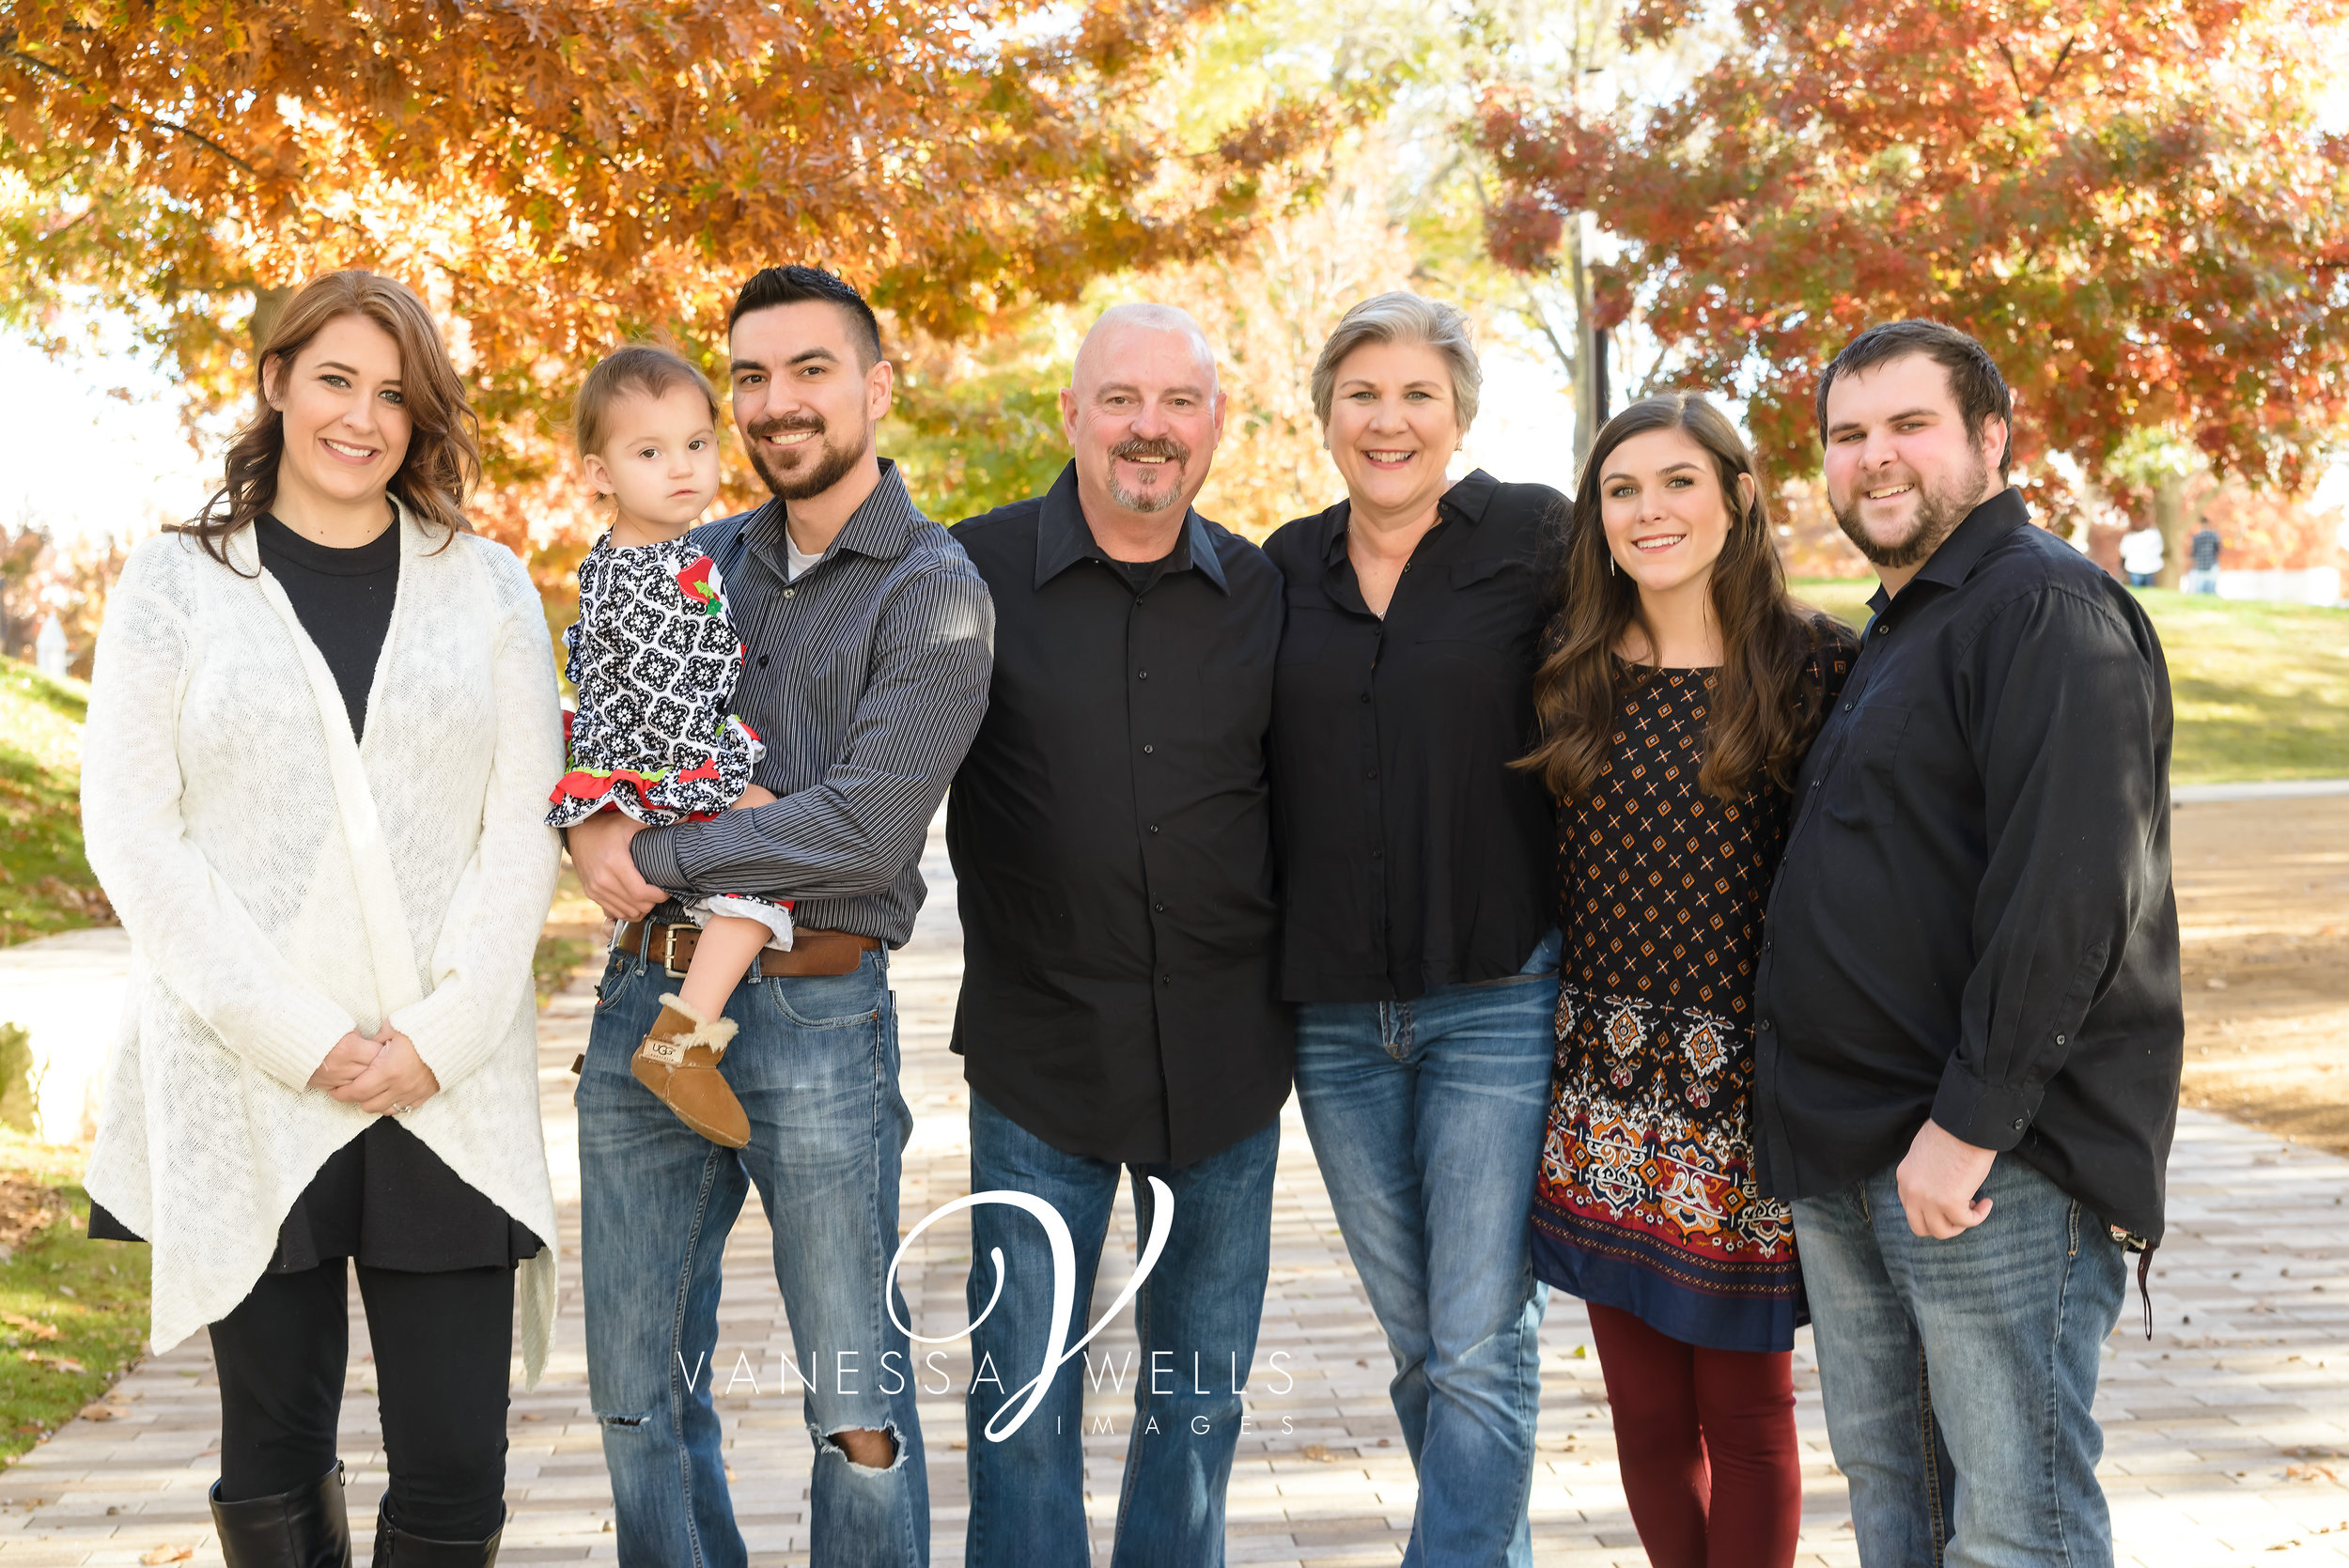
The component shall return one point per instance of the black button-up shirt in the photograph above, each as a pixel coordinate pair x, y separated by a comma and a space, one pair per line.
1412, 855
1973, 920
1112, 840
866, 676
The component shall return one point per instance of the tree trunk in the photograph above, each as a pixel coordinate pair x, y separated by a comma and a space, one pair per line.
1589, 395
2169, 518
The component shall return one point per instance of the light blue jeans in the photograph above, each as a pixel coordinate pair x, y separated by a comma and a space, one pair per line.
1426, 1117
1958, 1375
1196, 1318
816, 1067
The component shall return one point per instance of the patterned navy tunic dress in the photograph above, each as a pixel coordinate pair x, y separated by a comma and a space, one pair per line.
1645, 1197
654, 658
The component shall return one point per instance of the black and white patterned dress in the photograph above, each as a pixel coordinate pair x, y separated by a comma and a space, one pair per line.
654, 658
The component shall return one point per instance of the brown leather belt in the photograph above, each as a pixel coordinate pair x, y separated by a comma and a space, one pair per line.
812, 952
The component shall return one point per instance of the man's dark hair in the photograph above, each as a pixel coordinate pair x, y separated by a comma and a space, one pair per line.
1974, 379
786, 286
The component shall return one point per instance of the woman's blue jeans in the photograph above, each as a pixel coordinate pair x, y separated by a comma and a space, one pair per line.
1426, 1117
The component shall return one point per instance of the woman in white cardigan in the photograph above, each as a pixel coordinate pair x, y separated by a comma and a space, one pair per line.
321, 730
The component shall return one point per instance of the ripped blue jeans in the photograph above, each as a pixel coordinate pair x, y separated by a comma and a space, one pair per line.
816, 1067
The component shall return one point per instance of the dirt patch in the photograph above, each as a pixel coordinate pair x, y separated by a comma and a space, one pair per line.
2264, 914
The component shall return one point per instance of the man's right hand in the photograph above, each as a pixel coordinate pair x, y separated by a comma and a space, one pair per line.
600, 852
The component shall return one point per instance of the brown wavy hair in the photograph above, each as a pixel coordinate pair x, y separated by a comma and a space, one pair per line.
1763, 708
444, 461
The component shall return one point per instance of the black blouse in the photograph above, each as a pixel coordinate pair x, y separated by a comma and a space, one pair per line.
1412, 855
384, 1198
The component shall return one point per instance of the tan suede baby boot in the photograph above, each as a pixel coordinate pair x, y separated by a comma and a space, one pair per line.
678, 1062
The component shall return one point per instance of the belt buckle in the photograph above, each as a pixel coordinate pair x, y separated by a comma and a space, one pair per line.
668, 950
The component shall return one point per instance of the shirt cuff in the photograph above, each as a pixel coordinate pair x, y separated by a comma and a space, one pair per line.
654, 850
1982, 1115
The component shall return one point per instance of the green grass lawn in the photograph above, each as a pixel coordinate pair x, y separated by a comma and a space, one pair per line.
2261, 690
45, 885
73, 1311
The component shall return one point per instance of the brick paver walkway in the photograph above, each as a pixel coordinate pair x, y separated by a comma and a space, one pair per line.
2229, 1431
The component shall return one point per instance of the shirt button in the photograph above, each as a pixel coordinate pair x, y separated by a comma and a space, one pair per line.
1147, 751
1847, 707
788, 592
1766, 1026
762, 661
1371, 773
2059, 1039
1365, 696
1169, 980
1160, 907
1884, 630
1141, 675
2018, 1124
1378, 854
1154, 827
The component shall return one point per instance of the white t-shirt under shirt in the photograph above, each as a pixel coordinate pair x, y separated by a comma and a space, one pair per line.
798, 560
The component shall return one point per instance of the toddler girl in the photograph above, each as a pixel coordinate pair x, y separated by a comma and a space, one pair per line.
654, 658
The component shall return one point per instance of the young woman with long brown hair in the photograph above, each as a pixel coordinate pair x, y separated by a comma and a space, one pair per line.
321, 729
1680, 688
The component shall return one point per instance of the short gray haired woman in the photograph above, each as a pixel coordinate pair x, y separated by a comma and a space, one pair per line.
1419, 938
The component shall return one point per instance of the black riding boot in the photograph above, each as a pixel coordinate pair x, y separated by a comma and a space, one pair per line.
305, 1527
396, 1548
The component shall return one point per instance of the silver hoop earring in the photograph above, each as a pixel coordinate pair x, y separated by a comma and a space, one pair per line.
1611, 565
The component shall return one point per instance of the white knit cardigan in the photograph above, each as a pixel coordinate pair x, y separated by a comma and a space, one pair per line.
282, 885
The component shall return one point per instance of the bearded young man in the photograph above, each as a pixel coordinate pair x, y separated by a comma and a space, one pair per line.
1112, 834
1970, 1032
868, 643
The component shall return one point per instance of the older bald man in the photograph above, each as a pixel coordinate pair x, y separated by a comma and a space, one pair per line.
1111, 838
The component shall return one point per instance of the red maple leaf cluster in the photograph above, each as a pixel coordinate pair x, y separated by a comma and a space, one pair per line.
2130, 203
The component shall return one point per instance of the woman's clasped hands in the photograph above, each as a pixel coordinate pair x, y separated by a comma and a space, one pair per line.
377, 1073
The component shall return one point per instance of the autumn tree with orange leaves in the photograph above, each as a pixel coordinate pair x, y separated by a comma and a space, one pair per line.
559, 175
2130, 202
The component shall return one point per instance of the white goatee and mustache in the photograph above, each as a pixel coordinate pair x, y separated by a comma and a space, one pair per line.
831, 463
1939, 509
1161, 448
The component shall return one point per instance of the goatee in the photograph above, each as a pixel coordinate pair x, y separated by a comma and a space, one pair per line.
831, 465
1939, 513
1164, 448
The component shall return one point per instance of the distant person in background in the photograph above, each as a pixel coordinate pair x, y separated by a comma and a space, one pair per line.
1681, 687
2203, 575
320, 822
2141, 555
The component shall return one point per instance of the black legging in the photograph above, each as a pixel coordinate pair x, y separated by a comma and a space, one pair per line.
443, 1343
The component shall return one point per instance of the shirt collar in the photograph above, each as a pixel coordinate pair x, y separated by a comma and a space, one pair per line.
1063, 538
882, 526
1467, 499
1955, 557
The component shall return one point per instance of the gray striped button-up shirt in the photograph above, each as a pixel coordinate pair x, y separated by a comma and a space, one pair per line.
866, 679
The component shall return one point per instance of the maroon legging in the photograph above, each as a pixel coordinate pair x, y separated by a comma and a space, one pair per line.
1706, 1442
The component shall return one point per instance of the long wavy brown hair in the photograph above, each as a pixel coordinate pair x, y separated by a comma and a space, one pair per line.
443, 459
1762, 711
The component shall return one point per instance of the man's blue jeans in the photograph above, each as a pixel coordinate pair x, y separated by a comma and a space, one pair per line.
1196, 1318
1958, 1375
1426, 1117
816, 1066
